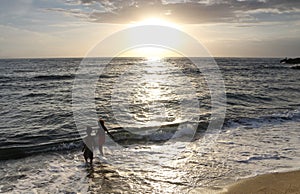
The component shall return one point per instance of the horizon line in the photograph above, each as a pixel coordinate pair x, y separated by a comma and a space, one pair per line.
82, 57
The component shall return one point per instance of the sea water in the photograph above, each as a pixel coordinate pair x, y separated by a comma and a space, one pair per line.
40, 143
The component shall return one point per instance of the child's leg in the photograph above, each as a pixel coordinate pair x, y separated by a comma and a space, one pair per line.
91, 158
101, 150
85, 156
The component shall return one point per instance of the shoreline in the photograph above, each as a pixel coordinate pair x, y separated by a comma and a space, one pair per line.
273, 183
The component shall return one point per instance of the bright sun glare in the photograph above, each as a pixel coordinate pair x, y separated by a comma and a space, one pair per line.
149, 52
155, 21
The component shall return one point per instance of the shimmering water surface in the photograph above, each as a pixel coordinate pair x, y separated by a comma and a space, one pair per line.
142, 103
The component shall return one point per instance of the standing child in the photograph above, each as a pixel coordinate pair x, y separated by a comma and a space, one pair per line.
101, 136
88, 146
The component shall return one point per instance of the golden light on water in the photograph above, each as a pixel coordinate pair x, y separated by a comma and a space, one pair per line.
155, 91
150, 53
152, 86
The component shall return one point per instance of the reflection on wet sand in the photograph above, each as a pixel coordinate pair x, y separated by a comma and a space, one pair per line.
103, 178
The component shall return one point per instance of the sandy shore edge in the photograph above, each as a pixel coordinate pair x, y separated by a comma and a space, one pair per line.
274, 183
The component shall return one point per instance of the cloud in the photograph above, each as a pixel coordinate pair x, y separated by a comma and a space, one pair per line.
16, 7
191, 11
73, 12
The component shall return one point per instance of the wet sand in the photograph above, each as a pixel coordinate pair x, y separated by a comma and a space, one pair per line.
275, 183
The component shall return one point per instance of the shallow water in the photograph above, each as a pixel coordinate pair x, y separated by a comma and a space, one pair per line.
239, 152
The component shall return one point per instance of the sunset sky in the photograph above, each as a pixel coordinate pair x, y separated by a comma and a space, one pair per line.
70, 28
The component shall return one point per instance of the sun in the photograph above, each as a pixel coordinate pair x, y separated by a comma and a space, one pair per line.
155, 21
152, 52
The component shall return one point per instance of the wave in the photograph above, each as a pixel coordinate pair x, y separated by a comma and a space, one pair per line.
125, 138
163, 133
21, 151
263, 157
5, 79
108, 76
23, 70
30, 95
246, 97
53, 77
274, 67
292, 115
27, 144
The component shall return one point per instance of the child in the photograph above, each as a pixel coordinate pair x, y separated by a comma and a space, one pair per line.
101, 135
88, 146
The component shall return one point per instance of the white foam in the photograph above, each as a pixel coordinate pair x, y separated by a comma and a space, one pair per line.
239, 152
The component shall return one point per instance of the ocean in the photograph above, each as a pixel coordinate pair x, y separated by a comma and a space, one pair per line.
144, 104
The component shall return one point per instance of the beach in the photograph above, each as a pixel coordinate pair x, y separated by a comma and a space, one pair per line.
274, 183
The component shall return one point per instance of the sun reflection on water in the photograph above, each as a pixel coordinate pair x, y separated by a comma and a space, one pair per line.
150, 93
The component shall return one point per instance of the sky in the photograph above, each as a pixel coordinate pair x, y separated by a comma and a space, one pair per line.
71, 28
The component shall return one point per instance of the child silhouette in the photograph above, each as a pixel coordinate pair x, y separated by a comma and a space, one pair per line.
88, 146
